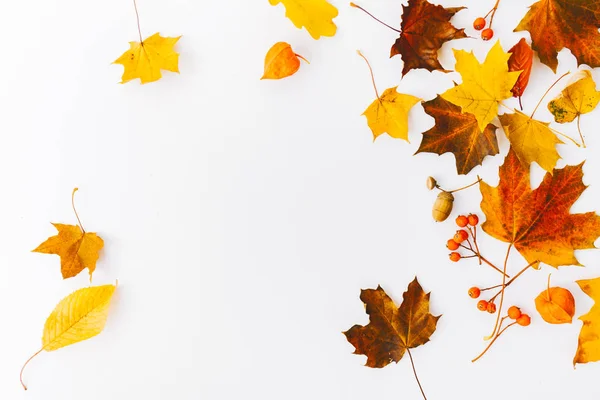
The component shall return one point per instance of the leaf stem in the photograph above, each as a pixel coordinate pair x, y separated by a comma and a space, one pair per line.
371, 71
415, 372
137, 15
75, 210
547, 91
375, 18
24, 365
579, 129
496, 326
473, 233
302, 58
565, 136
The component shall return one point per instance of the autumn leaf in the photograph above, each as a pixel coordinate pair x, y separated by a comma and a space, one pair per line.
314, 15
556, 24
79, 316
483, 86
521, 59
281, 61
77, 248
392, 330
556, 305
145, 60
580, 97
588, 348
389, 112
424, 29
537, 222
458, 133
531, 140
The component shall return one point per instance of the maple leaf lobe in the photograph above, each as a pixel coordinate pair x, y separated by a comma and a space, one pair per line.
424, 29
458, 133
392, 330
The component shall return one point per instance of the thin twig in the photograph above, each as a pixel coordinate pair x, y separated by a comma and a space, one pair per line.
73, 204
492, 342
375, 18
550, 88
496, 326
137, 15
371, 71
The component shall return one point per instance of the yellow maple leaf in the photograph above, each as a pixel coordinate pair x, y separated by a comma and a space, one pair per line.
144, 60
314, 15
588, 348
580, 97
389, 114
532, 140
79, 316
77, 248
483, 86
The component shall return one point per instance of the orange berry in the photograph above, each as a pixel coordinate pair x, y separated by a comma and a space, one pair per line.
460, 236
474, 292
454, 256
487, 34
514, 312
482, 305
452, 245
491, 308
524, 320
473, 219
462, 221
479, 23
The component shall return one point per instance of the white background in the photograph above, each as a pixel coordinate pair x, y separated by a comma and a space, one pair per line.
242, 217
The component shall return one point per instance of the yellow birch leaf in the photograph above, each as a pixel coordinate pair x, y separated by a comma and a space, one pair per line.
578, 98
483, 86
389, 114
145, 60
314, 15
588, 348
532, 140
79, 316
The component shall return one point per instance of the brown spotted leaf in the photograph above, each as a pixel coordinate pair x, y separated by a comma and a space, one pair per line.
392, 330
458, 133
425, 28
538, 222
556, 24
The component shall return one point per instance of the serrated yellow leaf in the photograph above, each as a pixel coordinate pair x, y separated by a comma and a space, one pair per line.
588, 347
532, 140
314, 15
389, 114
145, 60
79, 316
483, 86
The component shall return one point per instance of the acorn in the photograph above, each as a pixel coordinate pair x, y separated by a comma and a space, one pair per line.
442, 206
431, 183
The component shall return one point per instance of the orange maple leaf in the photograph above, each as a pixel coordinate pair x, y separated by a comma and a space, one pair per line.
556, 24
537, 222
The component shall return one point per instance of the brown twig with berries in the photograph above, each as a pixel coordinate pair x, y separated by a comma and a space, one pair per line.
466, 238
480, 23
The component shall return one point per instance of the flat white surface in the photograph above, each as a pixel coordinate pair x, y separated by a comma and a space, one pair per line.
242, 217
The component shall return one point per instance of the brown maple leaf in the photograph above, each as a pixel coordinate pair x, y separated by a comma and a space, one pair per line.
537, 222
392, 330
458, 133
424, 29
521, 59
556, 24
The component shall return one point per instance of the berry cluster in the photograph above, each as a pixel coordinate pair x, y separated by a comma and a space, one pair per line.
466, 239
480, 23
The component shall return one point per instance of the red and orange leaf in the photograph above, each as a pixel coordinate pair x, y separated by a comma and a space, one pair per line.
521, 59
556, 24
392, 330
425, 28
538, 222
458, 133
